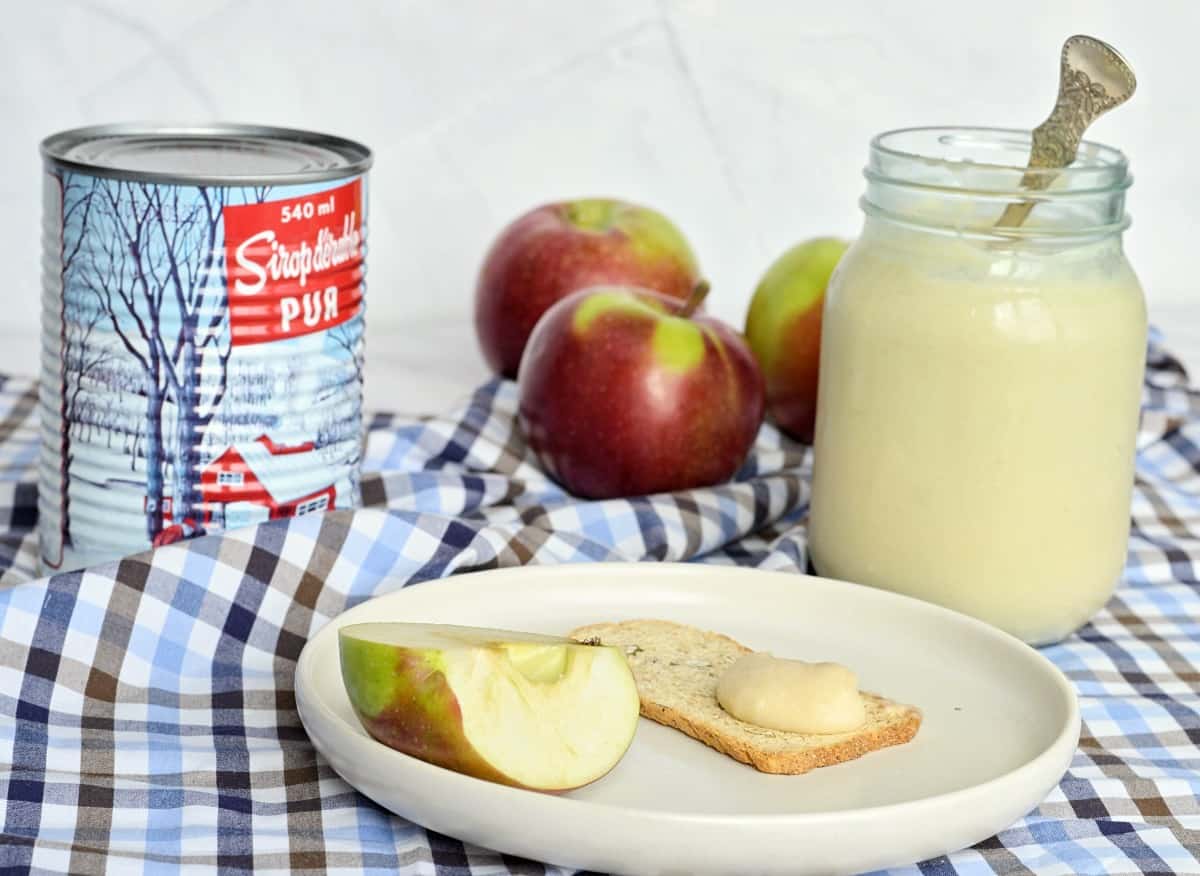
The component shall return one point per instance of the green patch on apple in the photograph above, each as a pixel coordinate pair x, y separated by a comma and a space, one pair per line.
604, 301
523, 709
676, 342
655, 237
793, 284
651, 235
591, 214
783, 329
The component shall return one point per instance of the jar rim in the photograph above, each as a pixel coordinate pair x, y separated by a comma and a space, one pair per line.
963, 180
1097, 167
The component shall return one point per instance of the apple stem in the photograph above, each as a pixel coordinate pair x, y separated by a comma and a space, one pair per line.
699, 293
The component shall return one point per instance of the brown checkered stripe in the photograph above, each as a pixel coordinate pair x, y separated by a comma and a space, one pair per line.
15, 418
42, 662
18, 424
302, 769
1145, 793
96, 755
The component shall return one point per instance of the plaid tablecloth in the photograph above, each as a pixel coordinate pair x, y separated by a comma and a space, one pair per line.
147, 717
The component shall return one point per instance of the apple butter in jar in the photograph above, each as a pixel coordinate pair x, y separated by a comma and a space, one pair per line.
980, 384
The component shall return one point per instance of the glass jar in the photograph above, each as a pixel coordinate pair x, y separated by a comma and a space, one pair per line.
980, 385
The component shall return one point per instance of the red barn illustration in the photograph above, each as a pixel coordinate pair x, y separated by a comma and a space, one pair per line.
255, 482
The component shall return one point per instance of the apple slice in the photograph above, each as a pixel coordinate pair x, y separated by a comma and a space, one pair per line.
522, 709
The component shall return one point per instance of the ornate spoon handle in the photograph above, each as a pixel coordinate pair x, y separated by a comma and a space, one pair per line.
1093, 79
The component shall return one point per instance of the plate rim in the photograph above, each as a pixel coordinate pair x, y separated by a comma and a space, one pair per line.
1067, 736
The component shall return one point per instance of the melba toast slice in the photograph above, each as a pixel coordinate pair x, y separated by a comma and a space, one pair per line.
676, 668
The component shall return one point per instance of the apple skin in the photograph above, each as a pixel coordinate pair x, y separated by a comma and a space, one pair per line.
424, 719
783, 328
403, 699
559, 248
621, 394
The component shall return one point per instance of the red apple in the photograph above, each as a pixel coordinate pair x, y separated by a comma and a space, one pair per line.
783, 329
625, 392
556, 249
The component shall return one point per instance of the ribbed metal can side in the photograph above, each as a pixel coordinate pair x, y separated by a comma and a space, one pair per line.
201, 359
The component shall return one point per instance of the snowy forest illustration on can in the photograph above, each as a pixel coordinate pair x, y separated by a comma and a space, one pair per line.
202, 334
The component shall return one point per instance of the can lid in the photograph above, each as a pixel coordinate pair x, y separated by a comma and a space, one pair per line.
206, 155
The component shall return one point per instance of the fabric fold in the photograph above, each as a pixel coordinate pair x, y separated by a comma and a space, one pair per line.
148, 715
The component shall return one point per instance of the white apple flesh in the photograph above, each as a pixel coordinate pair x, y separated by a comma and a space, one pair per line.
523, 709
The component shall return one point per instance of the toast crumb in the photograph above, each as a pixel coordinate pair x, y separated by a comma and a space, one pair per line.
676, 668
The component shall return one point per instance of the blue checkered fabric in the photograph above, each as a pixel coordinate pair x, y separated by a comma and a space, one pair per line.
148, 717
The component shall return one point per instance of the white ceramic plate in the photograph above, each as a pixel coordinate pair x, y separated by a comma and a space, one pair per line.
1000, 726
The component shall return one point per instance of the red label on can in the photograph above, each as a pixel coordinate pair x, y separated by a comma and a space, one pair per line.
294, 267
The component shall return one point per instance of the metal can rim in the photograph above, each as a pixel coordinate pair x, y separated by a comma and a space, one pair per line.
358, 158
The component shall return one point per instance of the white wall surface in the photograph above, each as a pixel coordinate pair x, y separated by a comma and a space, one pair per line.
746, 122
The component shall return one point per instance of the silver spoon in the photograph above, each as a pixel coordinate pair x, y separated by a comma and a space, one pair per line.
1093, 79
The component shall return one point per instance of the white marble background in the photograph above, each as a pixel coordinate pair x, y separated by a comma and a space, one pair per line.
747, 122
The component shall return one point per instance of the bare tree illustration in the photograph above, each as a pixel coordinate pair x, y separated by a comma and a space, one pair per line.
75, 211
84, 357
348, 336
120, 273
186, 228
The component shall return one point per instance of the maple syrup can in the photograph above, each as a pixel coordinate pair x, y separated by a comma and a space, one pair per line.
202, 323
